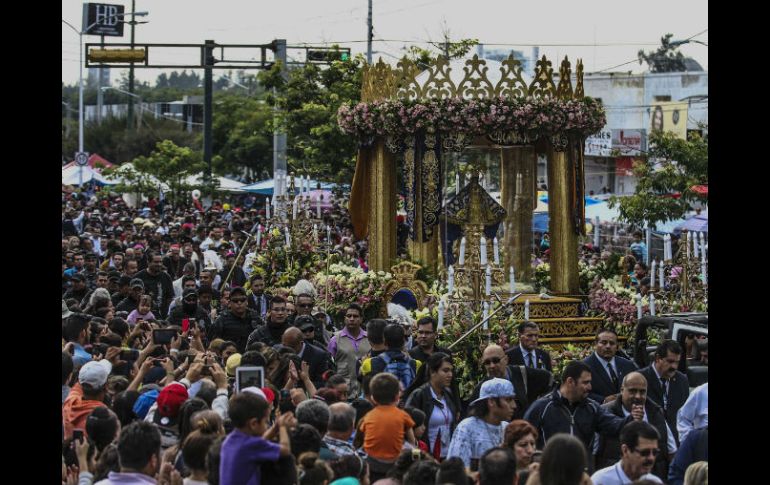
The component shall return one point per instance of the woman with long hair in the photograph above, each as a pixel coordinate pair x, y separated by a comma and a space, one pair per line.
431, 393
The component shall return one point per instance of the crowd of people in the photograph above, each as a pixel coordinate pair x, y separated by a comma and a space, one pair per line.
180, 365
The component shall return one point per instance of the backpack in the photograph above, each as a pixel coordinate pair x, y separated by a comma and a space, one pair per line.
402, 369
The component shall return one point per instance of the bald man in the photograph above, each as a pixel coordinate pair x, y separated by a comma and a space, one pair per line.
317, 358
633, 390
528, 383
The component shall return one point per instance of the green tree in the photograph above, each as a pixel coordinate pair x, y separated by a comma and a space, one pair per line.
168, 164
242, 135
672, 166
309, 100
666, 59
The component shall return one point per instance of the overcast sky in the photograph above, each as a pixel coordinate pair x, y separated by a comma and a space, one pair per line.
604, 33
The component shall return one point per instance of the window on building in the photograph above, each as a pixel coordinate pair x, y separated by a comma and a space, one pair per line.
662, 98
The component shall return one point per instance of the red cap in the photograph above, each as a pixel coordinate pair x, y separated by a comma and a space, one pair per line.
269, 394
171, 398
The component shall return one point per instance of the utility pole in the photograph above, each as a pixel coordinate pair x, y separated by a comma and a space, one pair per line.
279, 136
131, 69
208, 84
369, 35
99, 93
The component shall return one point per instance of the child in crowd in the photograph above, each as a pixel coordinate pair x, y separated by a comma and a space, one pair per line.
383, 429
143, 311
419, 427
245, 448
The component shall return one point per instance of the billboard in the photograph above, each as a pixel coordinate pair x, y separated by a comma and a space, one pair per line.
599, 144
669, 116
628, 142
103, 19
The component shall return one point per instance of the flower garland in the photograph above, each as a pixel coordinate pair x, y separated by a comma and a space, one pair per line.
528, 116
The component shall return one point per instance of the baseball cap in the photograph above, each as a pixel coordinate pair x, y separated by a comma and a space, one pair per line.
232, 363
189, 291
304, 323
238, 289
65, 312
137, 282
144, 402
269, 394
95, 373
170, 399
77, 277
495, 387
255, 390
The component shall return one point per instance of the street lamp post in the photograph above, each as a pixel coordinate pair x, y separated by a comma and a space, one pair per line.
80, 81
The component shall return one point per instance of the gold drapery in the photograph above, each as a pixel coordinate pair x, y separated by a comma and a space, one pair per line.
382, 208
564, 253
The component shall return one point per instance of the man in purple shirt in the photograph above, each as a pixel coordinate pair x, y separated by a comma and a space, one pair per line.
348, 345
249, 445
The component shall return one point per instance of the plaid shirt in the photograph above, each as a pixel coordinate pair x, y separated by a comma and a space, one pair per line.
339, 447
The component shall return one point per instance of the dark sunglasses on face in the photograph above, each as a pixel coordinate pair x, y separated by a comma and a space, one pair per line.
191, 299
648, 452
238, 300
492, 360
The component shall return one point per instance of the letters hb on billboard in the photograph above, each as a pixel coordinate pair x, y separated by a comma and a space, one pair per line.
103, 19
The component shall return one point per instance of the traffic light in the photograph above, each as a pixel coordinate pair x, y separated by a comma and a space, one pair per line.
116, 55
328, 55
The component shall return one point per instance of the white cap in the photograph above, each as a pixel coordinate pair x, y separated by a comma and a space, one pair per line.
95, 373
255, 390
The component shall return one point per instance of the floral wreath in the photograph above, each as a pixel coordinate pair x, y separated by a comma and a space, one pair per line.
533, 118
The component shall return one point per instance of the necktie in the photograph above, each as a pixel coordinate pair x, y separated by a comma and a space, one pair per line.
613, 376
664, 383
531, 360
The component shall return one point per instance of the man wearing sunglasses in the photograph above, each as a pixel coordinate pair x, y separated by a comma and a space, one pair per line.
190, 309
634, 391
237, 322
304, 304
528, 382
639, 447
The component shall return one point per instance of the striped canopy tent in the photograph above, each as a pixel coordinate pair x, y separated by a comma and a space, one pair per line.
265, 187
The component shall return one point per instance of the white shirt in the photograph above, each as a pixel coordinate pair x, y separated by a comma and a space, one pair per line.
670, 441
694, 414
604, 364
439, 419
614, 475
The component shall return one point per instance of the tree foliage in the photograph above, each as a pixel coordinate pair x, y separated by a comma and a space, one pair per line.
665, 59
168, 164
672, 166
242, 136
309, 100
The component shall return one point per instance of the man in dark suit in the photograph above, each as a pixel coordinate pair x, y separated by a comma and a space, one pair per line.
527, 353
317, 358
259, 301
528, 383
666, 386
634, 391
607, 369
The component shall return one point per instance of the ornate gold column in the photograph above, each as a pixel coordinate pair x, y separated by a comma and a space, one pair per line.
564, 254
382, 211
426, 252
519, 206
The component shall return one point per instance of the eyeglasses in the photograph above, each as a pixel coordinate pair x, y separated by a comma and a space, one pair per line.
492, 360
238, 300
648, 452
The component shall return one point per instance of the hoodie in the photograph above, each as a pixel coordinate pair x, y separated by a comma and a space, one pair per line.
76, 410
